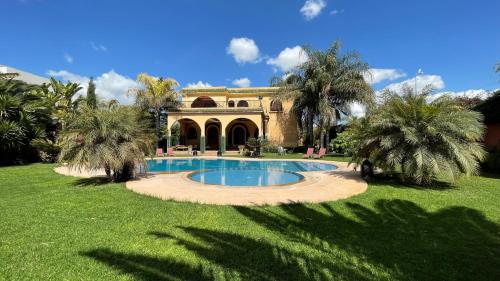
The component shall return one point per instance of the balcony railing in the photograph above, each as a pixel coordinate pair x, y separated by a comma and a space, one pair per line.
214, 106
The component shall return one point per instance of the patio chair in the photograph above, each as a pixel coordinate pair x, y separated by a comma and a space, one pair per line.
241, 148
190, 150
281, 150
321, 153
159, 152
309, 152
170, 151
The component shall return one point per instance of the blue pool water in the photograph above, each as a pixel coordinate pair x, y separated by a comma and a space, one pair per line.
239, 172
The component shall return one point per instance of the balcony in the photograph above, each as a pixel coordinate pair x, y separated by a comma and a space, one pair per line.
248, 105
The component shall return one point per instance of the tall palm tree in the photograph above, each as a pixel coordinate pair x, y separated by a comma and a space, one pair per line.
108, 138
155, 94
422, 139
60, 97
323, 87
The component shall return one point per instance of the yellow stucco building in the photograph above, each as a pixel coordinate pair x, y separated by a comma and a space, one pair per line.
220, 118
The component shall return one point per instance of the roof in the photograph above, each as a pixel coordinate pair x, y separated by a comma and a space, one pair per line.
27, 77
224, 90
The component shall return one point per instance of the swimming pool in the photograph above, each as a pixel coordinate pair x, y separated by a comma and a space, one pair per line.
231, 172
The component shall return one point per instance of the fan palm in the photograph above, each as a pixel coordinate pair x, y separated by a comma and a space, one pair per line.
324, 86
108, 138
424, 140
154, 95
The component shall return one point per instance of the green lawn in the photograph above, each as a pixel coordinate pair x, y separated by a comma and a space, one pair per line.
61, 228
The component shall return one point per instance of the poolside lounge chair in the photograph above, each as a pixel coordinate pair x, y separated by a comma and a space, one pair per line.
321, 153
159, 152
170, 151
309, 152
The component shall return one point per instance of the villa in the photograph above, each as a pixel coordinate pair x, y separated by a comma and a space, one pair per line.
220, 118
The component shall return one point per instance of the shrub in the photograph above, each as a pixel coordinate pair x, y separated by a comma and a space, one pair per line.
344, 143
48, 150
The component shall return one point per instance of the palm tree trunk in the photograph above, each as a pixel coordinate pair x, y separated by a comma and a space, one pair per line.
310, 128
157, 121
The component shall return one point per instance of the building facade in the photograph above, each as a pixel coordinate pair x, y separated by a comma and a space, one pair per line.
220, 118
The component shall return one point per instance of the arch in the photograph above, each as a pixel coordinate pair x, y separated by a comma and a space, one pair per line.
242, 103
203, 101
238, 131
189, 132
276, 105
230, 103
212, 133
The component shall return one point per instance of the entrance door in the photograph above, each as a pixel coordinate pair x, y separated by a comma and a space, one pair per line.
239, 135
212, 138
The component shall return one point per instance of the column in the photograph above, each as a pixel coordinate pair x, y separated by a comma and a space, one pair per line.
202, 140
169, 137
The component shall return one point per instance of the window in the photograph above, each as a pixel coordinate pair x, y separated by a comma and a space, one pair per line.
242, 103
276, 105
230, 103
203, 101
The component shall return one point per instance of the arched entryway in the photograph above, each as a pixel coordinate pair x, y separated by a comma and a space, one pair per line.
189, 132
212, 134
239, 131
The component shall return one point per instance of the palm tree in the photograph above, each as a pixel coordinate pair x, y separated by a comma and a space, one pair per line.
422, 139
155, 94
60, 97
108, 138
22, 117
323, 87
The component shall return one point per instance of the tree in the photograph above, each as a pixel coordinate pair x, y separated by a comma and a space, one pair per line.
154, 95
23, 117
323, 87
91, 96
108, 138
422, 139
60, 97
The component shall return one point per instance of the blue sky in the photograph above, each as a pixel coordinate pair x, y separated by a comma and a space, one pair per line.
456, 43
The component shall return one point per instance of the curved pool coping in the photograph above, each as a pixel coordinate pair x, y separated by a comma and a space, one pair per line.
317, 186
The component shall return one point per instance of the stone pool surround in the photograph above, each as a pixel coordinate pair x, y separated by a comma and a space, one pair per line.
316, 187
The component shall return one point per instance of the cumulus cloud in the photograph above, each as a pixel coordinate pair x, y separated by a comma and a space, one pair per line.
357, 110
68, 58
289, 59
422, 81
242, 82
377, 75
97, 47
312, 8
472, 93
109, 85
199, 84
243, 50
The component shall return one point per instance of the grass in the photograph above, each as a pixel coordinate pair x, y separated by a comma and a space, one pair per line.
61, 228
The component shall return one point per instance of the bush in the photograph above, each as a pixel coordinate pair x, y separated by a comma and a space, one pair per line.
344, 143
48, 150
492, 162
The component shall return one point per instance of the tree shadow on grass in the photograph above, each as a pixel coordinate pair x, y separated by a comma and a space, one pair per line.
94, 181
396, 182
396, 239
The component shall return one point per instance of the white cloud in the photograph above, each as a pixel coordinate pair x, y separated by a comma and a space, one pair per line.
422, 81
289, 58
243, 50
472, 93
336, 12
312, 8
199, 84
109, 85
242, 82
97, 47
68, 58
377, 75
357, 110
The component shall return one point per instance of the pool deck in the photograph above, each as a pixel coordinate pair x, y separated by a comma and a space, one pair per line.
314, 188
